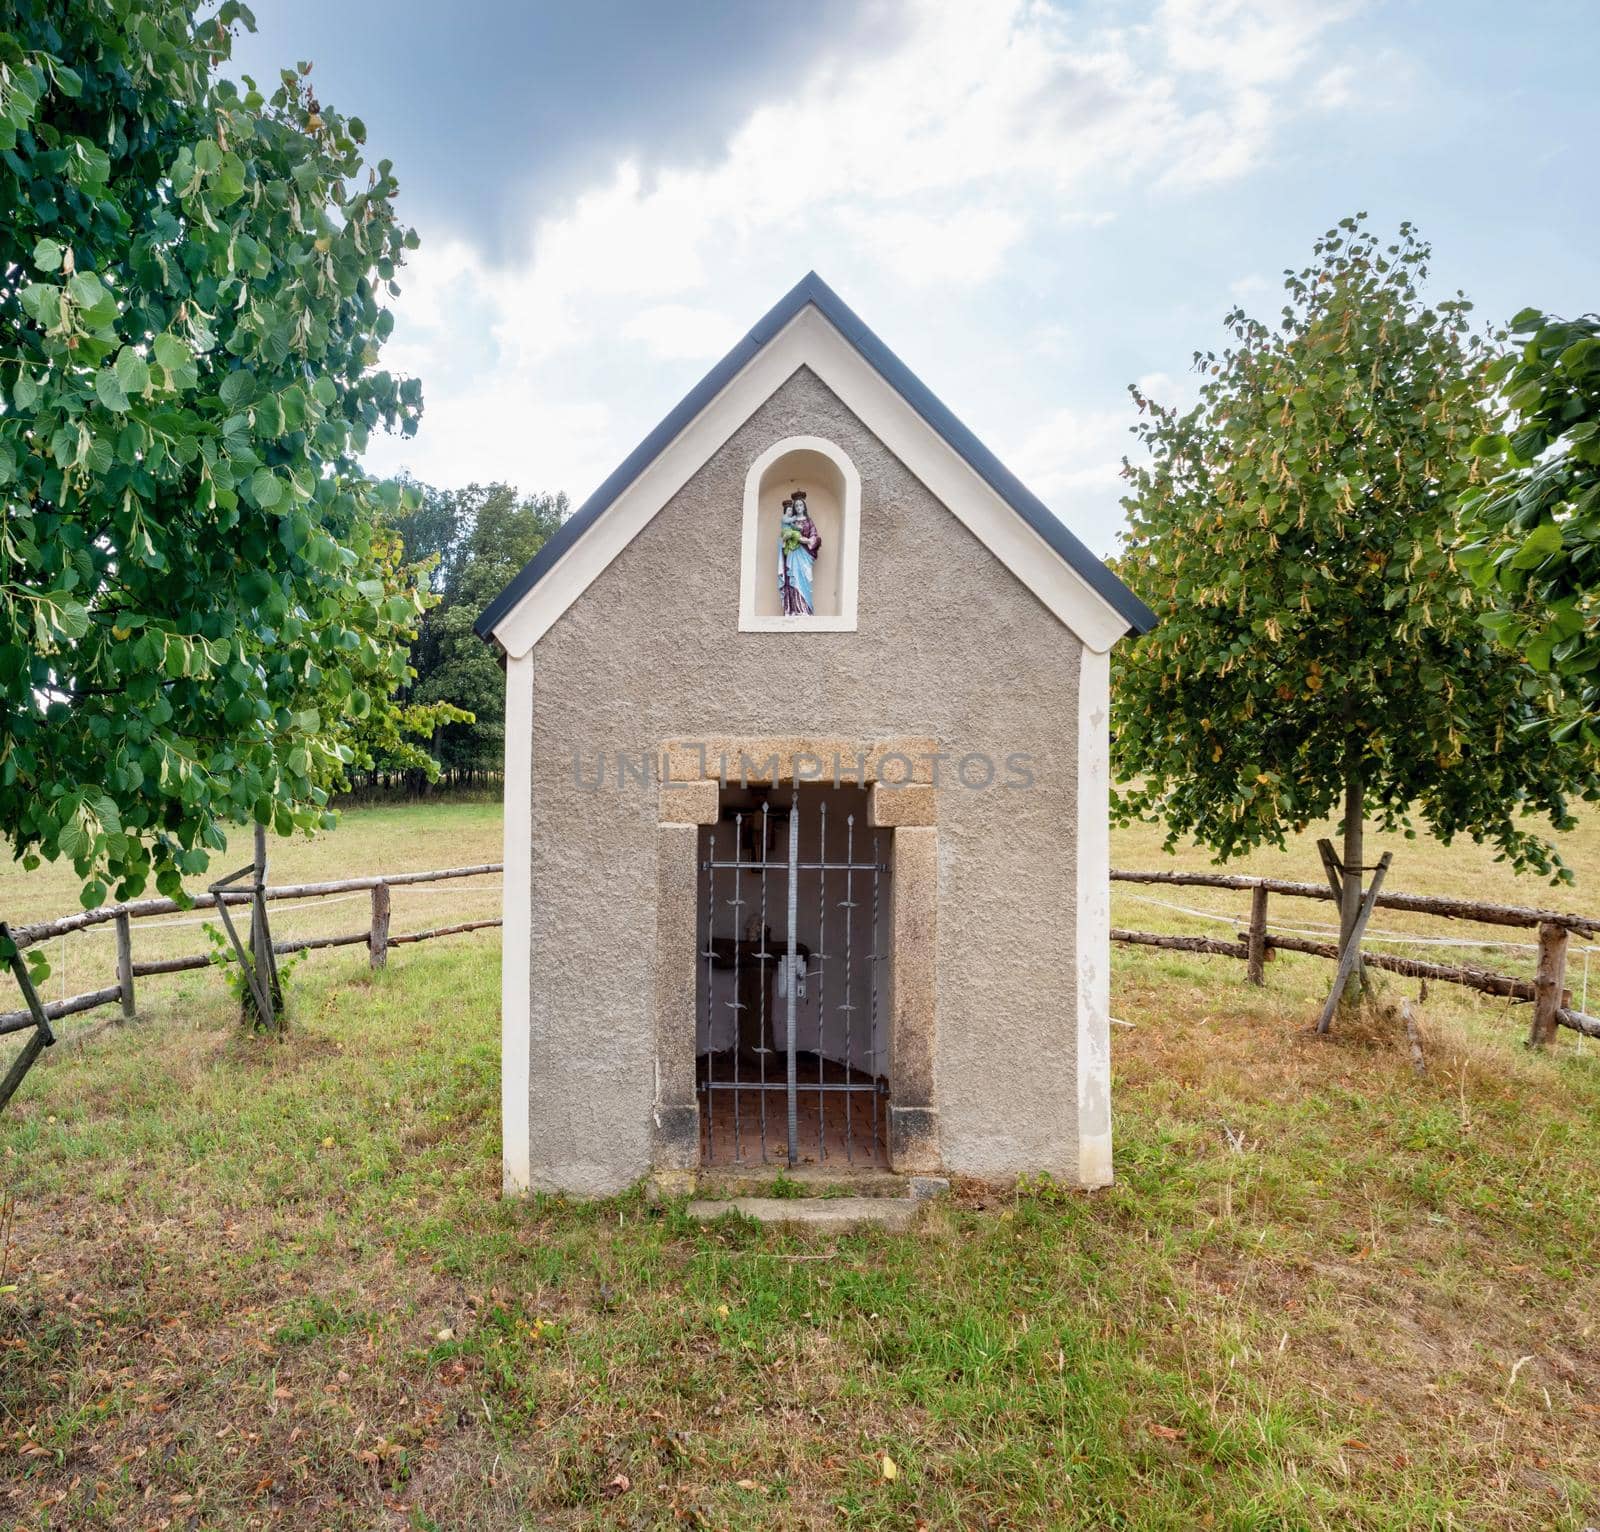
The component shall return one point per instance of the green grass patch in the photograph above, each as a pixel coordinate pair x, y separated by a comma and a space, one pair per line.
276, 1282
251, 1283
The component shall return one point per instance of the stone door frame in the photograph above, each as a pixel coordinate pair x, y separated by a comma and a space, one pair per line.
901, 797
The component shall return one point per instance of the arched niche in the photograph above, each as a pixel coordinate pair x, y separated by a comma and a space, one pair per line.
833, 499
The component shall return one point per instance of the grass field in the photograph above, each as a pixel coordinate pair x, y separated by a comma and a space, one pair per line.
254, 1284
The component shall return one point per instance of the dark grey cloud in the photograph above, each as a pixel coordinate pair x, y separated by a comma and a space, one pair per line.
491, 109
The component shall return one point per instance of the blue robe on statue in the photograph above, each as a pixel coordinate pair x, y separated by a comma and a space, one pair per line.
799, 542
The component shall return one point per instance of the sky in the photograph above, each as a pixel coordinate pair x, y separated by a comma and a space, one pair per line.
1035, 203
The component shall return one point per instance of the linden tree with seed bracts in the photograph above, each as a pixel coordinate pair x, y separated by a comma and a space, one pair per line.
196, 602
1318, 651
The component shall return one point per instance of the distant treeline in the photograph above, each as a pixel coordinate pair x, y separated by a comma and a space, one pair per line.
382, 786
477, 539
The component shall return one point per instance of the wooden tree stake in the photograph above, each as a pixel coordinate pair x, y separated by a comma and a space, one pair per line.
1257, 970
1330, 866
378, 937
125, 963
1334, 870
1413, 1037
1352, 952
1548, 983
42, 1037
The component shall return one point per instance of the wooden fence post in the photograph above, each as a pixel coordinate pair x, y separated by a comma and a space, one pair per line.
125, 963
1257, 970
378, 937
1548, 983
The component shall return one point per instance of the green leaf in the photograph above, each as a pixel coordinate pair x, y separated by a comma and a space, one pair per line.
132, 371
228, 179
42, 304
172, 352
86, 289
1539, 544
72, 618
108, 388
238, 388
266, 487
47, 255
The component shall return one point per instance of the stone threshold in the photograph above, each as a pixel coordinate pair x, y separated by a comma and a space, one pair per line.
825, 1215
808, 1183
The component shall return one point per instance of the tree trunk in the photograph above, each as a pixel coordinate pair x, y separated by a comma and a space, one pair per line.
1350, 901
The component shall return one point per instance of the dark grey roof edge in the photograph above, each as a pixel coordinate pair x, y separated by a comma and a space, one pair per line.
812, 289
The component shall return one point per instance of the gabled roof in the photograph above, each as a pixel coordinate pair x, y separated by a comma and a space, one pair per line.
812, 290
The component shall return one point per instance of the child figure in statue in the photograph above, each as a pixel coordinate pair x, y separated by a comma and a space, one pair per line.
798, 545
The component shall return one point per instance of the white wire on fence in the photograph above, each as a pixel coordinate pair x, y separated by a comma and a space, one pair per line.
1396, 939
279, 907
1393, 938
60, 967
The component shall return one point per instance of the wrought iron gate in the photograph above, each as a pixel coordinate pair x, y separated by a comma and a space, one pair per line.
792, 1021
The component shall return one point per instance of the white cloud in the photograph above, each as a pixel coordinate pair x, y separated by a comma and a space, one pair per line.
927, 250
1246, 42
1334, 88
1072, 459
993, 124
679, 331
1251, 287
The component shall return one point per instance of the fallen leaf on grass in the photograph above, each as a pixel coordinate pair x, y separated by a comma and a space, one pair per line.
1357, 1444
620, 1485
1166, 1433
891, 1469
746, 1484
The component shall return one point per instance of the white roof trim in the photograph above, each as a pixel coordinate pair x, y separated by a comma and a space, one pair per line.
811, 340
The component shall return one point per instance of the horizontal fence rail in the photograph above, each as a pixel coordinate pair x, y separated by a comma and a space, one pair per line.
1546, 990
1415, 904
377, 937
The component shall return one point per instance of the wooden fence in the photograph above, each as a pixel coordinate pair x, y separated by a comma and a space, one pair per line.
1546, 990
1253, 944
377, 937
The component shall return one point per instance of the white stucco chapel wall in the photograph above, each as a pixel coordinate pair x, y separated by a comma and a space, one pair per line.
964, 629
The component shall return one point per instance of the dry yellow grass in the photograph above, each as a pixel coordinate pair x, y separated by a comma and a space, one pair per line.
407, 838
1421, 866
390, 838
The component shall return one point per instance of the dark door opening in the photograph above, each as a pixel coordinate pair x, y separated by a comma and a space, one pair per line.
792, 1029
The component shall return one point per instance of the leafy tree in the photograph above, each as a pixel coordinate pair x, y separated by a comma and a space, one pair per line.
391, 735
1318, 649
195, 606
482, 535
1537, 549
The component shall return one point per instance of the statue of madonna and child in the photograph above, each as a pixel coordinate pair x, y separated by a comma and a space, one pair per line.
799, 542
